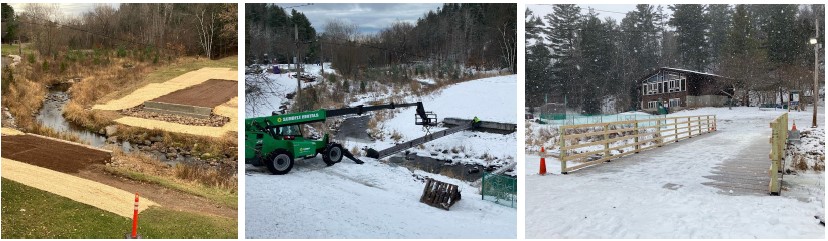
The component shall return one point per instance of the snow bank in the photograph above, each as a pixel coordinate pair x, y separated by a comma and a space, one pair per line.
490, 99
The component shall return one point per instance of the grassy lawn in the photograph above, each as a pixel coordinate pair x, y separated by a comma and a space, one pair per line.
13, 49
31, 213
170, 71
220, 196
190, 64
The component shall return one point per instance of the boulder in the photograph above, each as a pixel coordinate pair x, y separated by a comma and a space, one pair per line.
111, 130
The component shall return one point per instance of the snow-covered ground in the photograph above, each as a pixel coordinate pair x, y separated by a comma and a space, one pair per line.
373, 200
490, 99
660, 193
281, 85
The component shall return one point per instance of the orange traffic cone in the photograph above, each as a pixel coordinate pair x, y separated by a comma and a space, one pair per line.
542, 166
794, 126
542, 150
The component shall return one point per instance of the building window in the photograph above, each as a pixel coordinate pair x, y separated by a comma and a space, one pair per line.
683, 83
675, 102
652, 104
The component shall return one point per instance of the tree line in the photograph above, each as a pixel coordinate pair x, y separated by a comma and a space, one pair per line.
169, 29
471, 35
574, 54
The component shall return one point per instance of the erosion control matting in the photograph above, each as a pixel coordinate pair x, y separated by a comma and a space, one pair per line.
210, 94
81, 190
50, 153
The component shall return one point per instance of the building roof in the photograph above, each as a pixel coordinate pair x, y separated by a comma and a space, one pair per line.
679, 70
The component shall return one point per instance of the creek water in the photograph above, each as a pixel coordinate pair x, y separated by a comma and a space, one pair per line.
51, 115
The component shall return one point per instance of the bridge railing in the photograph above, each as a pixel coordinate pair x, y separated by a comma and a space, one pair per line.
778, 138
591, 144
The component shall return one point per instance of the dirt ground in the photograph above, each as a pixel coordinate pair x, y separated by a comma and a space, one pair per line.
52, 154
155, 90
53, 166
210, 94
168, 198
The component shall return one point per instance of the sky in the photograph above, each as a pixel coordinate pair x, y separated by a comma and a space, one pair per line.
67, 9
615, 11
369, 17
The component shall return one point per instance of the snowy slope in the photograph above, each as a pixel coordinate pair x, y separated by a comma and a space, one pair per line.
490, 99
660, 193
282, 84
373, 200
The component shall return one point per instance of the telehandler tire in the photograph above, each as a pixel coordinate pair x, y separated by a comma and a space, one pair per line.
332, 154
279, 162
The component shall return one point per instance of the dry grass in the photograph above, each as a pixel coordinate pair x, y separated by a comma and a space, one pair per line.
211, 176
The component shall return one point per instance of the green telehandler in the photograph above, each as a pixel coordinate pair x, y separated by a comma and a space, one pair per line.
276, 141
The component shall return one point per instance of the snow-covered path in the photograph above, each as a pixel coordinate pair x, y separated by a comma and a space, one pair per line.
662, 193
373, 200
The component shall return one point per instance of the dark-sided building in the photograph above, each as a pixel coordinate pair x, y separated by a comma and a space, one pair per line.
680, 88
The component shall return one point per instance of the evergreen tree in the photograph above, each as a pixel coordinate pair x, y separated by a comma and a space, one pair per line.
561, 36
719, 17
691, 29
596, 51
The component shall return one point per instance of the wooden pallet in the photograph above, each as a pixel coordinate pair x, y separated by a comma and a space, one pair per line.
440, 194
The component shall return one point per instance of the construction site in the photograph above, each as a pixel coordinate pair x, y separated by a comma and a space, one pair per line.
103, 131
379, 153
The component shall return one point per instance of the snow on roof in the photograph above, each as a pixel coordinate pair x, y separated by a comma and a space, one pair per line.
691, 71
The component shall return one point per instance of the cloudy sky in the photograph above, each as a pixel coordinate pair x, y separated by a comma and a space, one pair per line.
67, 9
615, 11
369, 17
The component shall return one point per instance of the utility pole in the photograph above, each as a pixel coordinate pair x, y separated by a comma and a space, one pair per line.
296, 60
815, 93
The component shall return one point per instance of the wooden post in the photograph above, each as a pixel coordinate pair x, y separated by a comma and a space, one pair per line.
707, 124
689, 129
606, 137
637, 145
675, 130
715, 128
563, 152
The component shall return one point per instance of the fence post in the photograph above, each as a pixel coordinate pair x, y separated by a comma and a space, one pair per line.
707, 124
689, 129
715, 128
606, 137
675, 130
483, 187
563, 152
637, 146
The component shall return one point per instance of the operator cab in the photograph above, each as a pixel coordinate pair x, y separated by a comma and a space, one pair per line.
289, 132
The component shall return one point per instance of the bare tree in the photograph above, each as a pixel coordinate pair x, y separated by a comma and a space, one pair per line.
207, 29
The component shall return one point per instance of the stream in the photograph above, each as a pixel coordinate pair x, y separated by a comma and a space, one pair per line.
51, 115
354, 130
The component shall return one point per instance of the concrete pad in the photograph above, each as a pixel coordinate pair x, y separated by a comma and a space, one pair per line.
85, 191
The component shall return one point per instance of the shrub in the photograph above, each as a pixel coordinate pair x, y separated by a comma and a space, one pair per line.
122, 52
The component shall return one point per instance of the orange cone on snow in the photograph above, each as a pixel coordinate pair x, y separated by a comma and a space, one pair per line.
794, 126
542, 150
542, 166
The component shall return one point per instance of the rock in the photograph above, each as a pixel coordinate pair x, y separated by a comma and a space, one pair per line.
102, 131
112, 139
111, 130
147, 142
157, 138
206, 155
